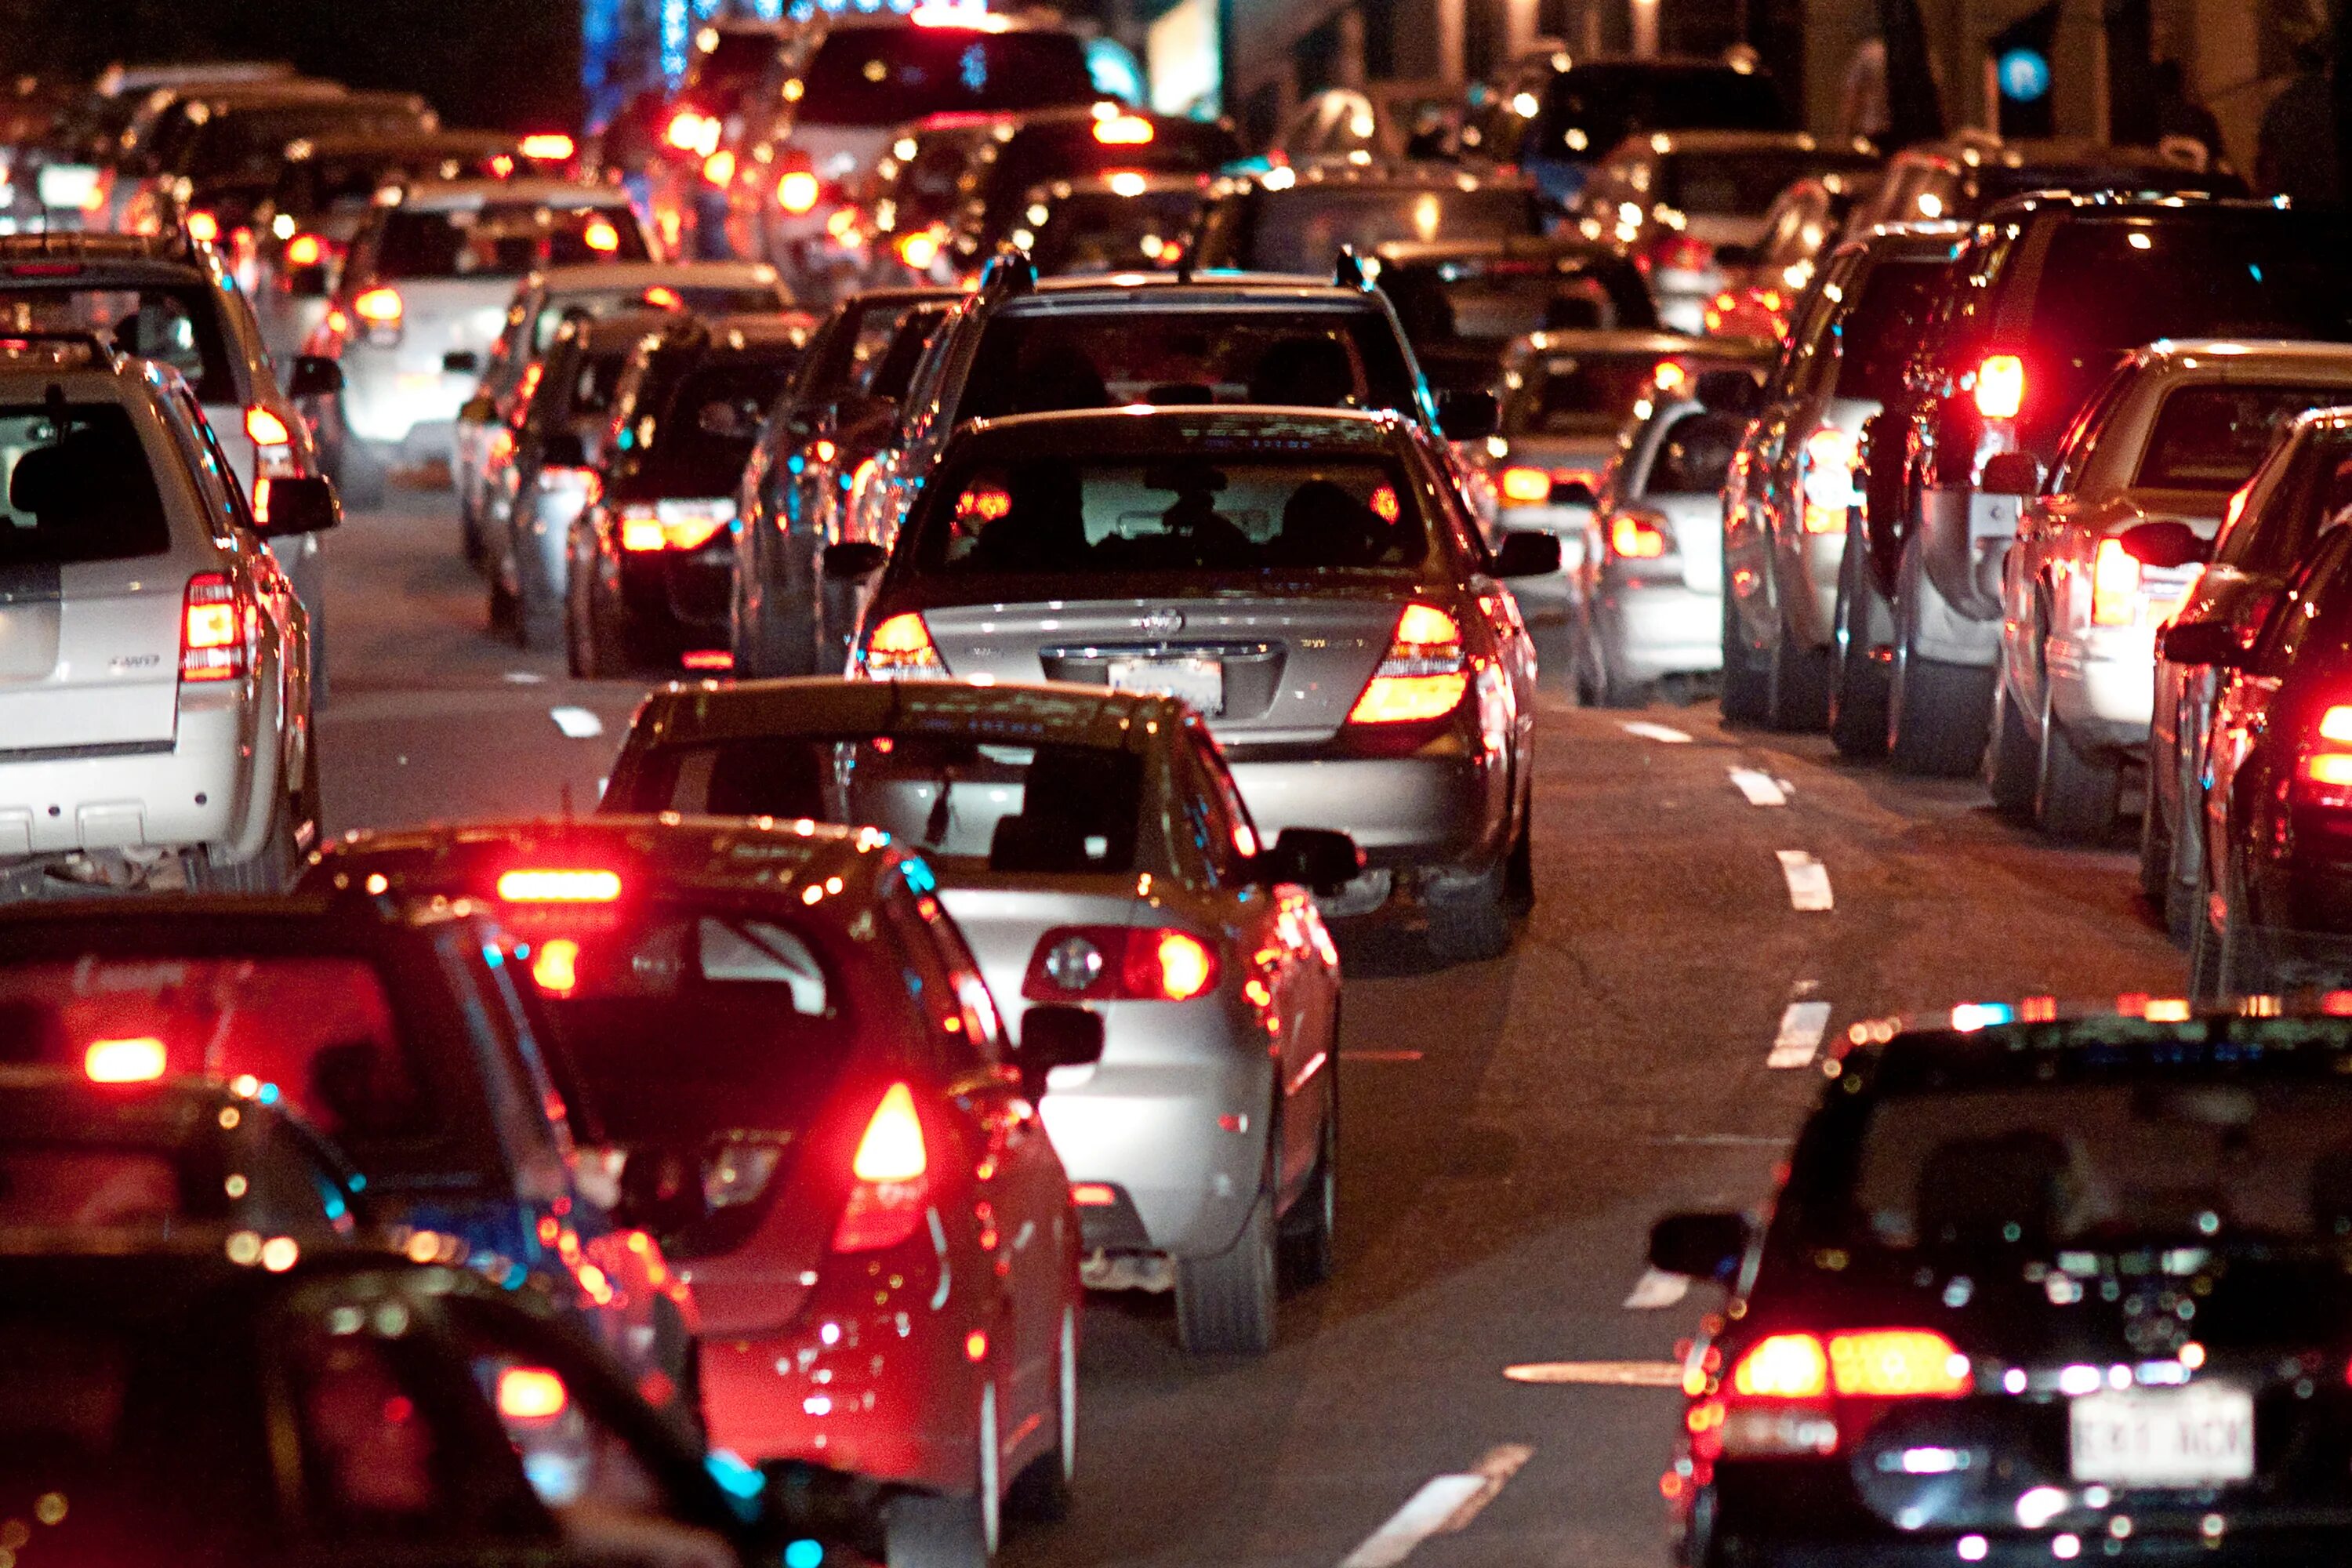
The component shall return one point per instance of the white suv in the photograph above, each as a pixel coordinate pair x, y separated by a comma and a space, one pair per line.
154, 660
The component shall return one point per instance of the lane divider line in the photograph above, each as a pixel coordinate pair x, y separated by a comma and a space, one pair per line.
1657, 1288
524, 678
1808, 880
1605, 1373
1803, 1025
577, 723
1664, 733
1444, 1504
1761, 788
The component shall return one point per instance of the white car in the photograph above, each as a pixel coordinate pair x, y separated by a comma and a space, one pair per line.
424, 296
154, 660
2105, 553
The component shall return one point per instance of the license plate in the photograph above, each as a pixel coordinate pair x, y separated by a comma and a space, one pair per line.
1199, 681
2191, 1436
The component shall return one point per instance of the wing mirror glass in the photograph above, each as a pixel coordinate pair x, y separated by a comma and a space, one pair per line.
1701, 1246
283, 508
2012, 474
1467, 415
2166, 544
1055, 1037
1318, 858
2214, 643
314, 375
1528, 552
852, 559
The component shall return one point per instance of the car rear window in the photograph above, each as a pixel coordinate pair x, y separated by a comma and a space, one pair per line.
349, 182
1882, 327
1602, 105
693, 298
503, 239
1001, 171
1319, 359
885, 76
1075, 517
78, 487
1101, 231
1743, 183
2314, 495
1301, 229
698, 445
84, 1186
2213, 437
178, 325
250, 144
1458, 316
1577, 394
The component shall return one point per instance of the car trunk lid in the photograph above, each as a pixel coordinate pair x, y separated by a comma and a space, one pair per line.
88, 655
1004, 917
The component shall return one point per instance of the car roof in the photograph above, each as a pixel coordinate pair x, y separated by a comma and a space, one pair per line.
621, 331
136, 259
1563, 62
335, 142
453, 195
1205, 289
1062, 186
1670, 142
1634, 340
2247, 355
176, 1105
1981, 151
686, 714
81, 365
2181, 205
607, 277
1224, 426
1384, 174
2036, 1039
989, 22
197, 924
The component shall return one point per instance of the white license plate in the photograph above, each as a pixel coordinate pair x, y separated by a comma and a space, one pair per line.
1199, 681
2191, 1436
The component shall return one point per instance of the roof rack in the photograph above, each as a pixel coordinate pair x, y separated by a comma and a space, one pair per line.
1348, 272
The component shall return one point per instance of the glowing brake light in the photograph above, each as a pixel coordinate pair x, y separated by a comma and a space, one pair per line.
531, 1393
136, 1060
900, 647
1783, 1366
2114, 585
559, 887
549, 146
212, 629
555, 967
2000, 386
1898, 1363
1526, 487
798, 191
1637, 536
305, 251
695, 133
891, 1185
266, 428
1124, 130
919, 249
202, 226
379, 307
2324, 777
1423, 676
1120, 963
671, 526
600, 236
1829, 455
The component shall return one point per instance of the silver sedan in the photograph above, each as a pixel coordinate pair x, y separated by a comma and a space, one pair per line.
1092, 847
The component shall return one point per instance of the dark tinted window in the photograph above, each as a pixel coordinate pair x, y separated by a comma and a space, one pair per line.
1458, 316
1302, 228
1578, 394
1742, 183
1003, 171
347, 182
249, 144
1695, 455
78, 487
696, 299
2316, 494
1879, 332
701, 441
895, 372
1607, 103
858, 333
1101, 231
721, 74
503, 239
178, 324
1319, 359
2213, 437
884, 76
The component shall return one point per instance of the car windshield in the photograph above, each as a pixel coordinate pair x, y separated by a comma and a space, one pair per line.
1034, 363
2213, 437
1102, 231
1592, 108
2316, 493
1301, 229
78, 487
1075, 516
699, 444
503, 239
1879, 332
885, 76
693, 298
1577, 394
178, 324
1742, 183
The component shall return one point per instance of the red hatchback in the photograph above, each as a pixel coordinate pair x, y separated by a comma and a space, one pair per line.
814, 1106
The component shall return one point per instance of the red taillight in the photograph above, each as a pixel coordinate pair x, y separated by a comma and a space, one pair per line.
1783, 1366
379, 307
305, 251
1828, 485
531, 1393
891, 1185
548, 146
1526, 487
1124, 130
1637, 536
1120, 963
901, 647
266, 428
1898, 1363
212, 629
202, 226
600, 236
2114, 585
136, 1060
1423, 676
1784, 1394
559, 887
798, 191
695, 133
2323, 773
1683, 253
555, 965
1102, 1195
719, 169
2000, 386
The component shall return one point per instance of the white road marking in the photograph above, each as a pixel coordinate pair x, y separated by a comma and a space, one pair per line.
1610, 1373
1803, 1025
1809, 880
1657, 1288
577, 722
1758, 788
1443, 1505
524, 678
1649, 731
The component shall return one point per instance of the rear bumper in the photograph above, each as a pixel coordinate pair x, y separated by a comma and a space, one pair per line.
2103, 686
180, 794
1153, 1130
413, 411
1653, 627
1447, 805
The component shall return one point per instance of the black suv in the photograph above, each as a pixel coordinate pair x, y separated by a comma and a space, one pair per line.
2050, 291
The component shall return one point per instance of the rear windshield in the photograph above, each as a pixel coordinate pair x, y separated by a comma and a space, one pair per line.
78, 487
1185, 513
504, 239
1101, 231
1602, 105
588, 389
1743, 184
1001, 171
1080, 806
1458, 317
860, 334
349, 182
82, 1185
886, 75
178, 325
702, 441
733, 65
693, 298
1301, 229
1577, 394
1882, 328
1321, 359
2213, 437
250, 144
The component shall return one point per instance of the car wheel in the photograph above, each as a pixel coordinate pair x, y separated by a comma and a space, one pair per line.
1857, 671
1747, 683
1938, 715
1042, 1494
1519, 870
1225, 1302
308, 820
271, 870
2011, 759
1471, 924
2076, 793
1309, 1228
505, 615
922, 1530
1796, 685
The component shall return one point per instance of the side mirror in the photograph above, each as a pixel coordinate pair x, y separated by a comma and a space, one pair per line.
1055, 1037
661, 1191
2213, 643
1733, 257
1528, 552
314, 375
308, 283
1318, 858
1729, 392
2012, 474
1702, 1245
852, 559
479, 409
461, 362
285, 506
564, 449
2168, 545
1574, 492
1467, 415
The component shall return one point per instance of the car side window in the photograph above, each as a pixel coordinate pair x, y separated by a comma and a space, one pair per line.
2319, 605
975, 1003
1229, 835
960, 1037
524, 1105
1694, 454
221, 509
2082, 439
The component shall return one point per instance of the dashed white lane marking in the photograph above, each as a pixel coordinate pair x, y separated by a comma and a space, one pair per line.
1761, 788
524, 678
1444, 1504
577, 722
1809, 880
1649, 731
1657, 1288
1803, 1025
1613, 1374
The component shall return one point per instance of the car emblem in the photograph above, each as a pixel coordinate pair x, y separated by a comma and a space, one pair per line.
1160, 623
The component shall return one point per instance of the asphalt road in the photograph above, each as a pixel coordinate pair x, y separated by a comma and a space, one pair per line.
1509, 1129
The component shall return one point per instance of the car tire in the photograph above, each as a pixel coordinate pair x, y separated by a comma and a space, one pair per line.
2012, 759
1310, 1228
1796, 685
2076, 795
1472, 925
927, 1529
271, 870
1747, 680
1225, 1301
595, 640
1043, 1493
1519, 869
1938, 715
503, 612
1857, 716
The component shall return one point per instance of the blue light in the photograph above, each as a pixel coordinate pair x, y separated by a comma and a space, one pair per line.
803, 1553
674, 33
1971, 1016
734, 1476
2256, 270
2024, 75
267, 1094
973, 68
492, 956
358, 1184
919, 876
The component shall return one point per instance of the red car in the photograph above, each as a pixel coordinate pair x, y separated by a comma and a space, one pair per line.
815, 1107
